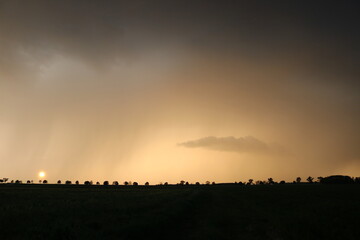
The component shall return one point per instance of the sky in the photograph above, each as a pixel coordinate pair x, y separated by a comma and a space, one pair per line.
164, 91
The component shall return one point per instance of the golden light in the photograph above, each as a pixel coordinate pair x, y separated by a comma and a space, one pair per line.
41, 174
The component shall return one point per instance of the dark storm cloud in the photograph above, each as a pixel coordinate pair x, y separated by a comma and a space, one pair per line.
228, 144
319, 34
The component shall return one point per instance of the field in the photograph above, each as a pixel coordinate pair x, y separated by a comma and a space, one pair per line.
290, 211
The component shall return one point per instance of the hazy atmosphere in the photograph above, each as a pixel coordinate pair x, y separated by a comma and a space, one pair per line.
179, 90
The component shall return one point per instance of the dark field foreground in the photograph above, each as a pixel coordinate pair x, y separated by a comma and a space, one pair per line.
180, 212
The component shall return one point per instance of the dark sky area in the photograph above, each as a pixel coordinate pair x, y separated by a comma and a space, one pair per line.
171, 90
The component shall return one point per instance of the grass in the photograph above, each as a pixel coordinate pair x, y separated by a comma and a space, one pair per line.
291, 211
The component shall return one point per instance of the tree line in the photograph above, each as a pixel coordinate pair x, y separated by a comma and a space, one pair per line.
334, 179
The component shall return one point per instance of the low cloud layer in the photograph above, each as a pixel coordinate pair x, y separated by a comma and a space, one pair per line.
229, 144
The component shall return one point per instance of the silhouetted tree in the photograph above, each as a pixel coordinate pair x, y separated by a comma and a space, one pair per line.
187, 183
310, 179
166, 183
270, 181
106, 183
282, 182
68, 182
40, 181
182, 182
207, 182
18, 181
147, 184
298, 180
97, 183
126, 183
28, 182
197, 183
116, 183
337, 179
87, 183
59, 182
213, 183
135, 184
250, 182
45, 182
240, 183
77, 182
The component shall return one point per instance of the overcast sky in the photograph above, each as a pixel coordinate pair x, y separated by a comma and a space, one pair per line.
179, 90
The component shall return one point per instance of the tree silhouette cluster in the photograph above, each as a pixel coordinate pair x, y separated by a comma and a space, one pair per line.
334, 179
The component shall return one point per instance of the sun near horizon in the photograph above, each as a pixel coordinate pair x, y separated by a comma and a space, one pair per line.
42, 174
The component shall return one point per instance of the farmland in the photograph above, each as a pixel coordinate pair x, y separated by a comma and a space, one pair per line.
290, 211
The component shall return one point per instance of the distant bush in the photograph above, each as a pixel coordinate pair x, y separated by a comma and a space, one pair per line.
97, 183
45, 182
282, 182
213, 183
126, 183
166, 183
147, 184
28, 181
4, 180
310, 179
197, 183
77, 182
87, 183
135, 184
298, 180
337, 179
68, 182
106, 183
116, 183
357, 180
58, 182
